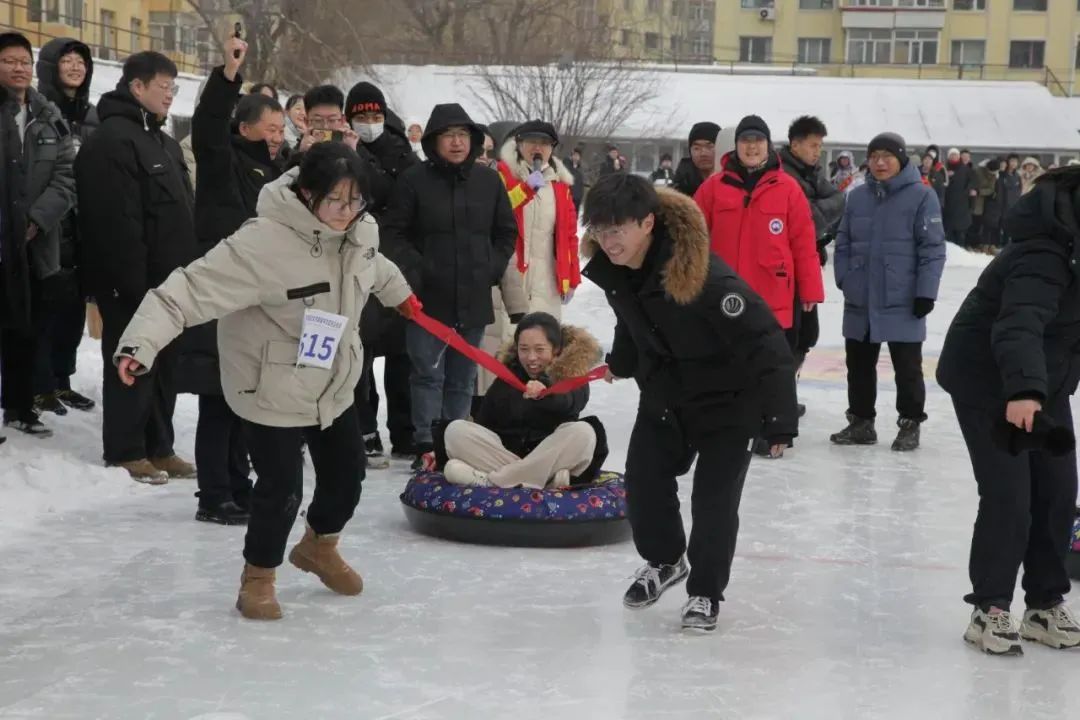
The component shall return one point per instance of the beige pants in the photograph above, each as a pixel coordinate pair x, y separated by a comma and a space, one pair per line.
570, 447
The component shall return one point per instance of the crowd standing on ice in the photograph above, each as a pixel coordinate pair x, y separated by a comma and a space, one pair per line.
328, 231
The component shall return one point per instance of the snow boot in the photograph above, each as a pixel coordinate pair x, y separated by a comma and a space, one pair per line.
175, 467
908, 437
49, 403
144, 471
75, 401
373, 450
318, 554
27, 422
257, 600
225, 513
859, 431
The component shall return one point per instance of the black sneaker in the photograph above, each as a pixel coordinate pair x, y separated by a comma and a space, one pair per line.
908, 437
403, 452
373, 448
49, 403
227, 513
650, 582
700, 613
858, 432
28, 422
801, 408
421, 461
75, 401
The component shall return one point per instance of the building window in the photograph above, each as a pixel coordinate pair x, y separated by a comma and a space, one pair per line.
755, 4
676, 8
869, 47
675, 44
755, 49
821, 4
1076, 63
163, 32
701, 46
136, 35
898, 3
968, 52
1026, 53
1029, 5
628, 5
916, 47
74, 13
653, 6
814, 51
625, 39
969, 5
652, 41
699, 12
108, 35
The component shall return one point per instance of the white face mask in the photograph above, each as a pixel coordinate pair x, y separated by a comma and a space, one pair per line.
368, 132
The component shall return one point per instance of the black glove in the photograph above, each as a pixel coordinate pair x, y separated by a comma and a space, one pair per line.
1046, 435
923, 307
822, 245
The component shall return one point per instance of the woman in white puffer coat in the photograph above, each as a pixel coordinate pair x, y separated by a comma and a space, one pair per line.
545, 270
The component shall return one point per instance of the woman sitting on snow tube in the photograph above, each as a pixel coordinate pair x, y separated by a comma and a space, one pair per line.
522, 439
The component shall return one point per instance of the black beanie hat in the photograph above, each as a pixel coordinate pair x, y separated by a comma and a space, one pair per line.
364, 97
537, 128
704, 131
14, 39
753, 124
890, 143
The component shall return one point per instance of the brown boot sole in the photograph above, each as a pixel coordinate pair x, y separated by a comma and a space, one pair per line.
302, 562
274, 615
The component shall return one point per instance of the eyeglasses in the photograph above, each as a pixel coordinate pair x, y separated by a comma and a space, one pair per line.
457, 135
73, 62
173, 90
10, 63
355, 204
608, 233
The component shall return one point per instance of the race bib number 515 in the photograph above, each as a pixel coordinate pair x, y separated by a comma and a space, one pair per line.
320, 338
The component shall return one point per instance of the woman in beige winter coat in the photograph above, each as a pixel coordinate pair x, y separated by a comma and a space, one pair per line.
544, 271
1030, 171
288, 288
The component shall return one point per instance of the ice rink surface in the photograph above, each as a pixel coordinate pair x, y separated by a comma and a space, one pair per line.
845, 600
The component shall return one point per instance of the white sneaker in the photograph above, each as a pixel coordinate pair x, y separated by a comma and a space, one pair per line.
994, 633
458, 472
1055, 627
561, 479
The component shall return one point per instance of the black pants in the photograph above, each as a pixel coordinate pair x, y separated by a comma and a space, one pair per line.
957, 237
221, 454
862, 359
59, 333
804, 332
1027, 504
659, 452
398, 399
136, 420
279, 464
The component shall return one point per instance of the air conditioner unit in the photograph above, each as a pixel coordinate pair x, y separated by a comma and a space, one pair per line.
767, 14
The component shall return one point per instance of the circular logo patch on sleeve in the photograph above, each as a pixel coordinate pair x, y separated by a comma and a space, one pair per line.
733, 305
776, 226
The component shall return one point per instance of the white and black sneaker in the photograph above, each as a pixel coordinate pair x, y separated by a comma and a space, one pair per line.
993, 632
373, 449
650, 582
28, 422
700, 613
1055, 627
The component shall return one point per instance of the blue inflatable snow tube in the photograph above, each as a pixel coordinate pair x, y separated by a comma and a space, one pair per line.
1073, 560
580, 516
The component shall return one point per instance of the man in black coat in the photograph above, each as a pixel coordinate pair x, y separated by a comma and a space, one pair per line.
65, 70
136, 225
238, 143
382, 330
701, 163
714, 370
959, 195
1011, 362
577, 168
451, 230
1009, 189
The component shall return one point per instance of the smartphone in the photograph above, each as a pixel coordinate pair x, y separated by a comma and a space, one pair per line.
328, 135
238, 31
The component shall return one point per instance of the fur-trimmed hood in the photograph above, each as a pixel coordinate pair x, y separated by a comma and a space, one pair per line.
685, 272
556, 169
580, 353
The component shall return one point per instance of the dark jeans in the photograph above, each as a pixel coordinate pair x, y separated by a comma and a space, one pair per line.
1027, 504
862, 359
59, 333
279, 489
957, 237
137, 420
221, 454
18, 357
658, 453
442, 380
396, 373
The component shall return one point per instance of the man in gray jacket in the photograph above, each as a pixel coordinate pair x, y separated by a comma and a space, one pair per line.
40, 193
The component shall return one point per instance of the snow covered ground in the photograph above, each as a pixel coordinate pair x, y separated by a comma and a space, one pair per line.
845, 600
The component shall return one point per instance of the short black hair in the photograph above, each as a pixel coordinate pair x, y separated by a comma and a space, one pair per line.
252, 106
16, 39
259, 87
146, 65
614, 199
1013, 156
665, 156
806, 126
293, 99
324, 95
543, 321
327, 164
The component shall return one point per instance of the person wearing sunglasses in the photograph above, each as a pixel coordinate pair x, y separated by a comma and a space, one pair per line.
287, 289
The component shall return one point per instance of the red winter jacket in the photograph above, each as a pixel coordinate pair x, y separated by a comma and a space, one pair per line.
766, 236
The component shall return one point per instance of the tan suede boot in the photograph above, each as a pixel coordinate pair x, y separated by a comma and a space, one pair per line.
176, 467
318, 554
257, 600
